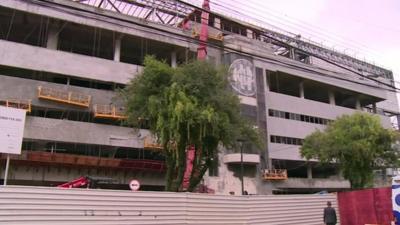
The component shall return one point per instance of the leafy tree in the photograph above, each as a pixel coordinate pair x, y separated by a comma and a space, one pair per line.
358, 143
186, 106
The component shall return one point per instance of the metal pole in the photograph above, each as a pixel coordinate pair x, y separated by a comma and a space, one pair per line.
241, 167
6, 172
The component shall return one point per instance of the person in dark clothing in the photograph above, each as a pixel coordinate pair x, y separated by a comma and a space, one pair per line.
329, 215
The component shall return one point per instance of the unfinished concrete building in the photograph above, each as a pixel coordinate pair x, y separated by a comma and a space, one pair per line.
64, 60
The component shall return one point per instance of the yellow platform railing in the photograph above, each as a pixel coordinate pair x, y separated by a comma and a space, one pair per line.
19, 104
67, 97
275, 174
109, 112
150, 144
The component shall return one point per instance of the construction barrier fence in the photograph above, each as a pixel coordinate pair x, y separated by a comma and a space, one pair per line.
47, 205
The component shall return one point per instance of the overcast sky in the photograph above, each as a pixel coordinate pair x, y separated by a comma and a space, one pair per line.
367, 29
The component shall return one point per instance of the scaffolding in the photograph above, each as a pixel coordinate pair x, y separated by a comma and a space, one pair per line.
150, 144
67, 97
19, 104
109, 112
166, 12
275, 174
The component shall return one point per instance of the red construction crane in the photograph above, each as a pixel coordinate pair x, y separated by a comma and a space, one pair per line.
202, 49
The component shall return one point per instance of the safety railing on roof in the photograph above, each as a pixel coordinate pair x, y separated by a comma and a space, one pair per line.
109, 112
213, 33
19, 104
67, 97
275, 174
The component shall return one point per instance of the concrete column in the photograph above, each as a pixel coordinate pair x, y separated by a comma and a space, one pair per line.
52, 37
309, 171
291, 53
398, 122
301, 86
217, 23
173, 59
117, 48
249, 33
374, 108
331, 98
358, 104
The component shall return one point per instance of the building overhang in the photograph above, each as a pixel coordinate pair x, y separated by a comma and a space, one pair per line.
235, 158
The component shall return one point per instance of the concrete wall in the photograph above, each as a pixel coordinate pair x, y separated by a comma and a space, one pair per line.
38, 128
32, 205
390, 104
20, 88
313, 108
304, 183
298, 129
20, 173
229, 181
71, 64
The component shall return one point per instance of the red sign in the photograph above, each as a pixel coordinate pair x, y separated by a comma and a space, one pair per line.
134, 185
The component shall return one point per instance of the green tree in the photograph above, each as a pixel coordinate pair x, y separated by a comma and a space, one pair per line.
185, 106
357, 143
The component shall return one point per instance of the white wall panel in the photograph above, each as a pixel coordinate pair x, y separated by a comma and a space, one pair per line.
43, 205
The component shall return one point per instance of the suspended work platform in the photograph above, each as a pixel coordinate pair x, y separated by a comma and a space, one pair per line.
67, 97
109, 112
150, 144
275, 174
19, 104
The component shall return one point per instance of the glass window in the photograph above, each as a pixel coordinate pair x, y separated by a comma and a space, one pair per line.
271, 112
281, 114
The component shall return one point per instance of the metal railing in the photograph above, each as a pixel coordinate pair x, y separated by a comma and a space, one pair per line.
275, 174
109, 112
19, 104
67, 97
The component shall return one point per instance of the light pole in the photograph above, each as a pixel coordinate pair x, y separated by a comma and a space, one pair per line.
241, 142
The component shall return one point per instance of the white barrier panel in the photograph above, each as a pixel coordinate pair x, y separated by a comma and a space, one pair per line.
44, 206
12, 122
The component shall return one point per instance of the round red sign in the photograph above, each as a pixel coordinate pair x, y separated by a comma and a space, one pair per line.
134, 185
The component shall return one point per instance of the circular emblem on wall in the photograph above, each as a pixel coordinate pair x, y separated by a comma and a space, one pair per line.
242, 78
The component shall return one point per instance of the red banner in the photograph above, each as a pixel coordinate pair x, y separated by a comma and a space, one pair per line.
190, 154
370, 206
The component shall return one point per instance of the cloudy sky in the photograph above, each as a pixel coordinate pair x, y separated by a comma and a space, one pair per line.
367, 29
